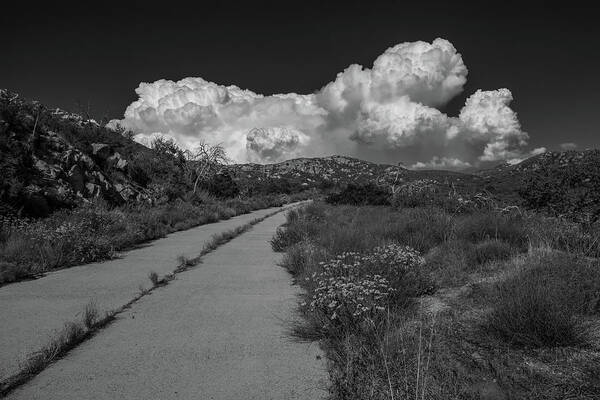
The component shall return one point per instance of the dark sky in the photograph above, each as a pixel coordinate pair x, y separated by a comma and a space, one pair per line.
69, 54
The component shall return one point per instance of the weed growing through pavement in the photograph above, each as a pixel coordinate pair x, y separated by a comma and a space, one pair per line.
77, 332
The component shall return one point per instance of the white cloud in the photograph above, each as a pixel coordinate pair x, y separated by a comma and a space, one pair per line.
400, 124
487, 118
275, 143
386, 113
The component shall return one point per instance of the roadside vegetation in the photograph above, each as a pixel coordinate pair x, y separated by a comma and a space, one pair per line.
74, 191
72, 334
178, 190
96, 232
447, 297
76, 332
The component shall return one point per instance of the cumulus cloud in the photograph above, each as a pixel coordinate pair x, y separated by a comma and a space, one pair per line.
275, 144
387, 113
488, 119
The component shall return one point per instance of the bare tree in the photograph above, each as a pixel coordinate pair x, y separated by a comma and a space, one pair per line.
205, 161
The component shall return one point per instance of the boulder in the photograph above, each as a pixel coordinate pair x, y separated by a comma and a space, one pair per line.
101, 150
117, 161
49, 170
93, 190
76, 179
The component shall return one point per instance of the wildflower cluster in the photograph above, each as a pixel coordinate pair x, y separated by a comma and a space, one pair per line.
393, 261
357, 285
345, 297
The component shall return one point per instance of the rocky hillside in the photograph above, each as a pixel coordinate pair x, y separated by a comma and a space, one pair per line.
545, 161
340, 171
562, 183
52, 159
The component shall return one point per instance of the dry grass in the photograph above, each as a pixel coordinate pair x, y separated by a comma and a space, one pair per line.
96, 232
73, 333
487, 336
76, 332
542, 304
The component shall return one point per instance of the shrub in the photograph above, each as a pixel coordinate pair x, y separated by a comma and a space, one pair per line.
347, 299
480, 226
368, 194
300, 225
428, 192
402, 266
492, 250
222, 186
356, 285
421, 228
450, 262
541, 305
9, 272
284, 238
561, 234
93, 232
571, 190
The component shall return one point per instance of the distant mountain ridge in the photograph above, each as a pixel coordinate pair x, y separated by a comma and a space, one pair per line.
50, 158
341, 170
549, 159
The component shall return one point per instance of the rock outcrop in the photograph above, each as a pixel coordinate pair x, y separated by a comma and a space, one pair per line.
52, 159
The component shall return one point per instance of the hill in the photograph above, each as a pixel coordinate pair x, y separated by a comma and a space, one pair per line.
53, 159
325, 172
561, 183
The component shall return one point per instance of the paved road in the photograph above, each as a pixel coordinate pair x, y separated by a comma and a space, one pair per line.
219, 331
31, 311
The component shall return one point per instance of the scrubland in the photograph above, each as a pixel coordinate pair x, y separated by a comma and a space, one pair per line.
434, 301
96, 231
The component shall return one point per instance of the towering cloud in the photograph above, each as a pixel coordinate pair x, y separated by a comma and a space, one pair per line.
386, 113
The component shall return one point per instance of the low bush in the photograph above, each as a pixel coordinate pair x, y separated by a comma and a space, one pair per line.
94, 232
450, 262
361, 195
507, 227
427, 193
421, 228
284, 238
301, 258
570, 189
361, 281
492, 250
222, 185
565, 235
541, 305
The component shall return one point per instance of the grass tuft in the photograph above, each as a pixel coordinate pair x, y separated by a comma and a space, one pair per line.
542, 305
153, 276
96, 232
76, 332
90, 315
